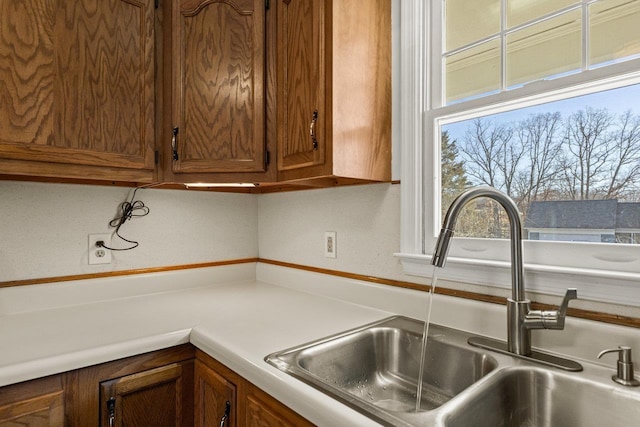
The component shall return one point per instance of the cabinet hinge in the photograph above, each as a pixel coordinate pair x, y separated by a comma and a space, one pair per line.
267, 158
156, 157
267, 4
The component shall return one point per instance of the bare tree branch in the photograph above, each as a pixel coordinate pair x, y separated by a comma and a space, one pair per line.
587, 150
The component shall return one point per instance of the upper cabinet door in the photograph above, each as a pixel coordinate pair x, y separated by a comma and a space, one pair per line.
77, 85
219, 93
301, 84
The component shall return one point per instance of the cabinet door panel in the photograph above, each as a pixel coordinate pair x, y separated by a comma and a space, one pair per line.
265, 411
35, 403
149, 398
212, 392
301, 78
42, 411
220, 94
78, 82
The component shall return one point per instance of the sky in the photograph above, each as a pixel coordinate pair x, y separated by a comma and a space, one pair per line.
617, 101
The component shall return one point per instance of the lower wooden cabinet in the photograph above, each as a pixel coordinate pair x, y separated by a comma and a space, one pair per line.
152, 389
263, 410
215, 385
216, 393
38, 403
177, 387
150, 398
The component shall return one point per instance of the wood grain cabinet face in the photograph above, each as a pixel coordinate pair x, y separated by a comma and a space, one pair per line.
334, 89
215, 384
301, 108
219, 88
78, 88
216, 398
38, 403
265, 411
163, 388
150, 398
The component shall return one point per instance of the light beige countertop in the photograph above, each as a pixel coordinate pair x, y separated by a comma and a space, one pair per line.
238, 320
238, 324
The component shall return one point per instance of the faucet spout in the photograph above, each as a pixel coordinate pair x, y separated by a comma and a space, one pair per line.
515, 232
520, 318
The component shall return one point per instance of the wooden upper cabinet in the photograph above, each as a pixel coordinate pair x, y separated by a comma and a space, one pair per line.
334, 89
89, 89
218, 74
78, 88
301, 107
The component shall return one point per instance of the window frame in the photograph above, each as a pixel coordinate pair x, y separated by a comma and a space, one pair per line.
602, 272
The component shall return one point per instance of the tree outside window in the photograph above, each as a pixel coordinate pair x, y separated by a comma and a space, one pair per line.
583, 151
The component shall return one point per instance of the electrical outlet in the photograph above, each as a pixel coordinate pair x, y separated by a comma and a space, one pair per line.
98, 255
330, 244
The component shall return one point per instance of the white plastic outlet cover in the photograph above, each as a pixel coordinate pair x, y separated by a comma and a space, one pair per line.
98, 255
330, 244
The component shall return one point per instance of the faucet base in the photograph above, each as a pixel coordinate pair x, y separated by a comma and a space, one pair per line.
536, 356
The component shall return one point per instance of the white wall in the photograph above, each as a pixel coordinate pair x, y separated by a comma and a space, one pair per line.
367, 222
44, 228
366, 219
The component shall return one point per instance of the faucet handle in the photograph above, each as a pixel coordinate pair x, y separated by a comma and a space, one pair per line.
572, 293
624, 374
551, 319
554, 319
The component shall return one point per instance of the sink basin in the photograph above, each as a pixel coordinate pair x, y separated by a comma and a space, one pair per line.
535, 397
374, 369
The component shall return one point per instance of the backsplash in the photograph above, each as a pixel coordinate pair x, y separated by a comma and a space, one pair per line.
367, 222
45, 227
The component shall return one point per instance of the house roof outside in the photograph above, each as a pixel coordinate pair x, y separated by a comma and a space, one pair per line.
628, 216
583, 214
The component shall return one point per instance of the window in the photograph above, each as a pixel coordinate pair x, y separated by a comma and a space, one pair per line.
572, 167
499, 69
492, 45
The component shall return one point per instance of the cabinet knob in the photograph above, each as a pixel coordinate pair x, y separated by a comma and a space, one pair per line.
312, 129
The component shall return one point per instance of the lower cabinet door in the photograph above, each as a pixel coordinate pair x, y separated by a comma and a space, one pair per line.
265, 411
155, 397
224, 398
216, 398
37, 403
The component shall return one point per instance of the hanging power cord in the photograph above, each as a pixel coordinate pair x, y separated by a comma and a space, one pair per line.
128, 210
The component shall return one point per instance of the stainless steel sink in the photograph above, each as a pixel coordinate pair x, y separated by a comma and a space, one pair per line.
374, 369
537, 397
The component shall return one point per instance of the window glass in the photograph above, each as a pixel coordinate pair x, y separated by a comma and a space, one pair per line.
533, 40
614, 26
571, 166
521, 11
549, 48
470, 21
474, 71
